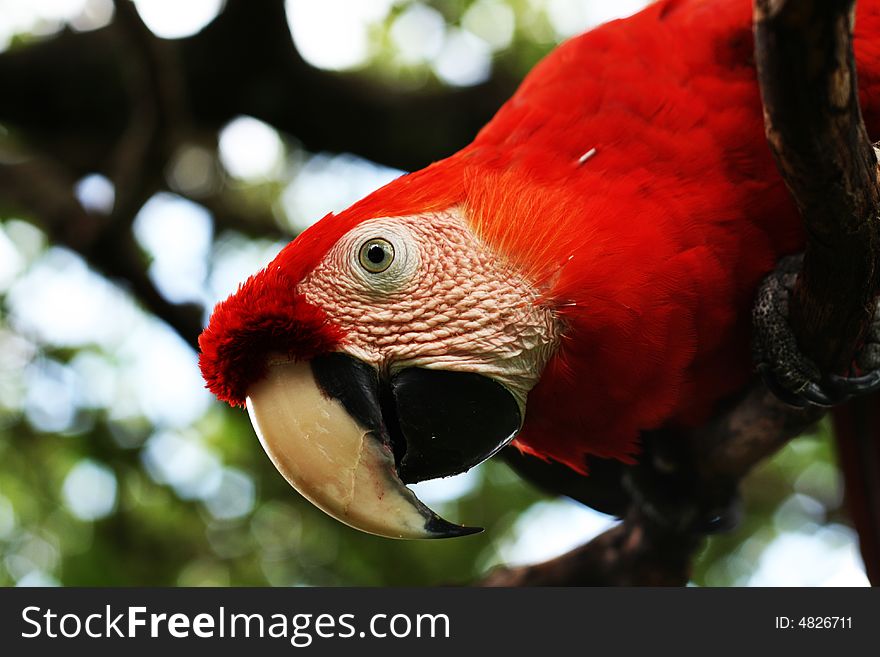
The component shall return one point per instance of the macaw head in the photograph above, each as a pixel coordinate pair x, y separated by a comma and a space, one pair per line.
386, 345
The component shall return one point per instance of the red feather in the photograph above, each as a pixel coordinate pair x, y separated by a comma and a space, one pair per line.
264, 318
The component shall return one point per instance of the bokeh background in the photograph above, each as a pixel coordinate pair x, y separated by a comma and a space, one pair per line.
152, 159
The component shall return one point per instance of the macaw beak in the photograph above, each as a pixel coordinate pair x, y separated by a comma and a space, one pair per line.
349, 442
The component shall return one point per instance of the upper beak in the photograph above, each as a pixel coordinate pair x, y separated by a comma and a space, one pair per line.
348, 441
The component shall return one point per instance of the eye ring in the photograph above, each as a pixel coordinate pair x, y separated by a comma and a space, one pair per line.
376, 255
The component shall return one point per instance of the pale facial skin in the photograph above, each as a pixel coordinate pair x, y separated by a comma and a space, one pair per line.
445, 302
413, 295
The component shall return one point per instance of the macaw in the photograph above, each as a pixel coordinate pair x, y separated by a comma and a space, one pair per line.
580, 274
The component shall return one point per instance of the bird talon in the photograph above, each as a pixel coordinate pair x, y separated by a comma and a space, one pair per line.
858, 385
788, 373
781, 392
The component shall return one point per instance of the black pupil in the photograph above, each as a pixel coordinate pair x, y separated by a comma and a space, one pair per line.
376, 254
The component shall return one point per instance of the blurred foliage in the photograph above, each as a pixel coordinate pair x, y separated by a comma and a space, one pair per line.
201, 504
799, 491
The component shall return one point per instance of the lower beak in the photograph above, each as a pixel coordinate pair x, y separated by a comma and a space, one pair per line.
322, 424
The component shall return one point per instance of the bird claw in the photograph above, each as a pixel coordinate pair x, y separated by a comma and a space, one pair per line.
790, 375
834, 390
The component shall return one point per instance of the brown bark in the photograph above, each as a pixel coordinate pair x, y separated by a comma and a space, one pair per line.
814, 126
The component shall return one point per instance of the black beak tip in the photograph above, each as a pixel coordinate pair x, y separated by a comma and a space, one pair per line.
440, 528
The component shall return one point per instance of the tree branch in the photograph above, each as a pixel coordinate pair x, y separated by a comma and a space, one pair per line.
807, 73
634, 553
72, 100
645, 550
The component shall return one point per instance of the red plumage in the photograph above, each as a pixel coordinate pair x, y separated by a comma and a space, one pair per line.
265, 318
650, 250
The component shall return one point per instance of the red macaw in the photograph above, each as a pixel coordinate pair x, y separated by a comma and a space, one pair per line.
580, 274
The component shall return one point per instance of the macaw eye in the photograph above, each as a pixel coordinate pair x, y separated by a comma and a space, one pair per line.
376, 255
